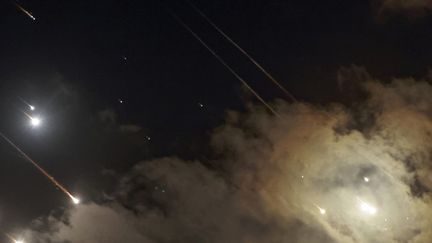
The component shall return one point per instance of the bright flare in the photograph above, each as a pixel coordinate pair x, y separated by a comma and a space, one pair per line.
367, 208
366, 179
321, 210
35, 121
75, 200
31, 107
19, 241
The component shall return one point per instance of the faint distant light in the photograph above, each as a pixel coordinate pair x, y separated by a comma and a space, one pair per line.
302, 176
125, 58
148, 138
200, 105
121, 101
366, 179
35, 121
31, 107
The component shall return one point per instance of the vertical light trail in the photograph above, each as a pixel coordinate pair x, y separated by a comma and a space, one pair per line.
263, 70
184, 25
42, 170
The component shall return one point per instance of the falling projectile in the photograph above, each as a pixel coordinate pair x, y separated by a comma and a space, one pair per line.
25, 11
222, 61
31, 107
42, 170
321, 210
229, 39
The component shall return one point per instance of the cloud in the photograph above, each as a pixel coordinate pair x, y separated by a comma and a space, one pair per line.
109, 118
130, 128
274, 174
413, 8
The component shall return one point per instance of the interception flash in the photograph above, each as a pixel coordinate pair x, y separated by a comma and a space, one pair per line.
367, 208
35, 121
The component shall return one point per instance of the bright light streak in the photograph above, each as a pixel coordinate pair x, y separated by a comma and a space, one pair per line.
35, 121
366, 179
367, 208
28, 13
42, 170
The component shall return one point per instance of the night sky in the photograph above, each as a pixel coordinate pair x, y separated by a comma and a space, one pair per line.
122, 87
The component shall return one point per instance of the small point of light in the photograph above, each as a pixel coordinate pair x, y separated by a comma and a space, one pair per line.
121, 101
148, 138
75, 200
366, 179
302, 176
200, 105
32, 108
35, 121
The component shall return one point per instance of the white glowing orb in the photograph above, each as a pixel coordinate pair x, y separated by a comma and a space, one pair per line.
366, 179
367, 208
35, 121
32, 107
75, 200
322, 211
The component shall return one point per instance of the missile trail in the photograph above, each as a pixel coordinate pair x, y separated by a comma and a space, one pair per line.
261, 68
42, 170
25, 11
184, 25
32, 108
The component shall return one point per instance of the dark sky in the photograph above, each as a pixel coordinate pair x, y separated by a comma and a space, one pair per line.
79, 58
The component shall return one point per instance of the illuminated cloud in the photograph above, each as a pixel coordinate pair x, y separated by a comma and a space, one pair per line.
411, 8
298, 178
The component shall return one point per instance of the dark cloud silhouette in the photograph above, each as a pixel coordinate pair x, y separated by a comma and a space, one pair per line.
411, 8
